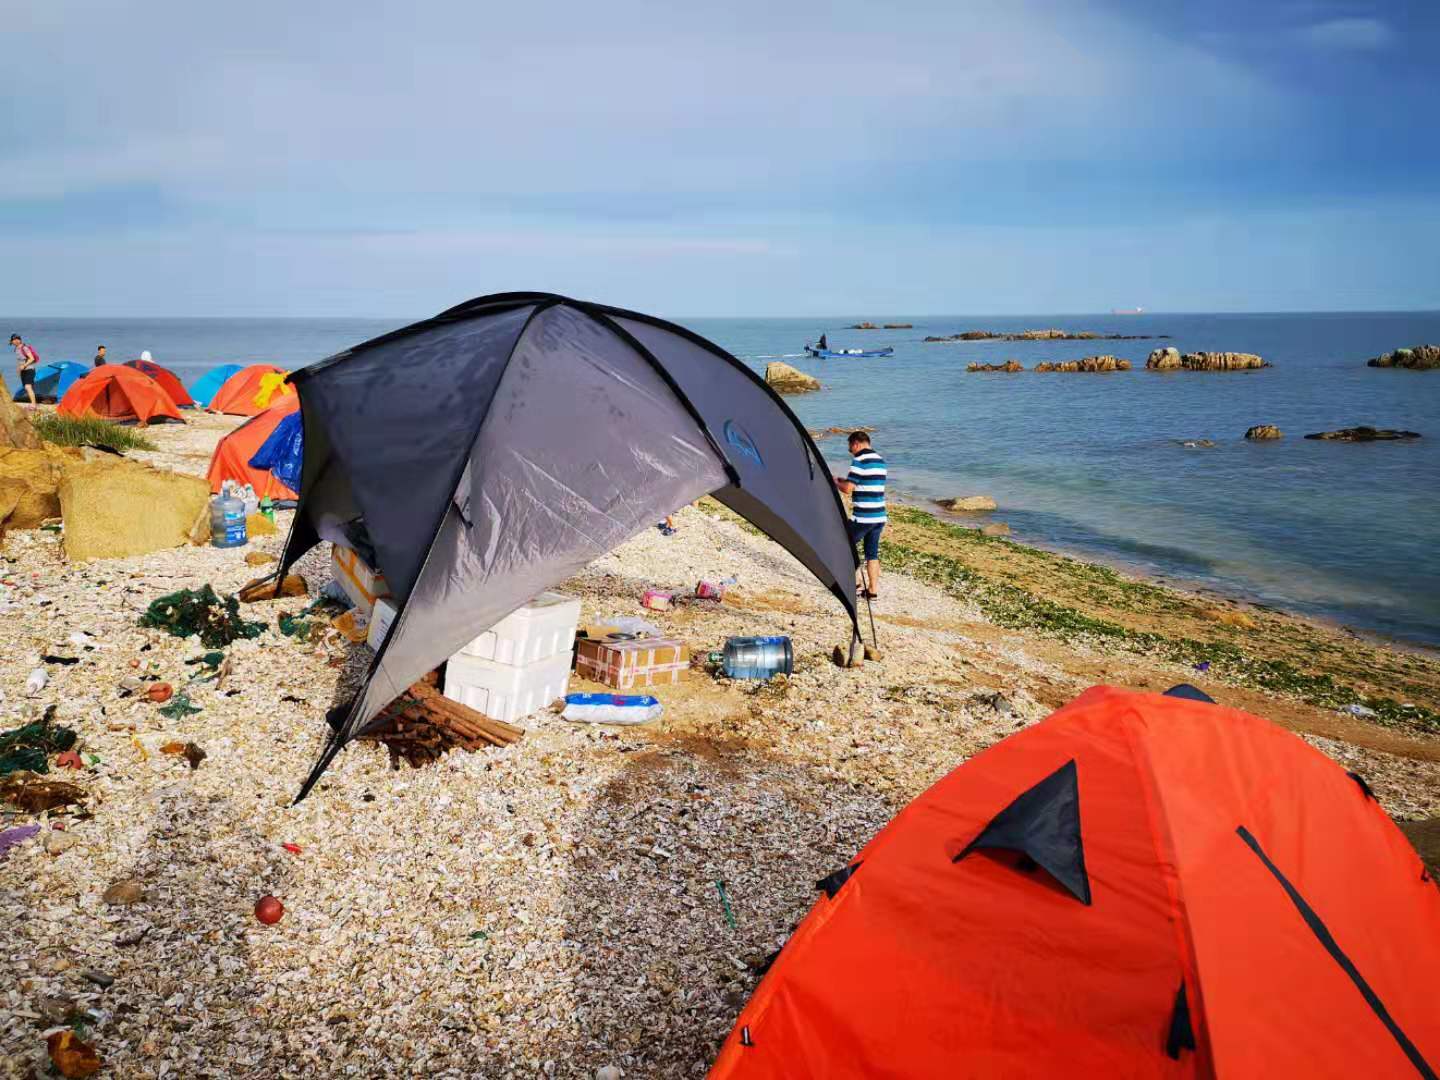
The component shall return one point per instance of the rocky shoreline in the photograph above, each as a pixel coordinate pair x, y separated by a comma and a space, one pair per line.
1041, 335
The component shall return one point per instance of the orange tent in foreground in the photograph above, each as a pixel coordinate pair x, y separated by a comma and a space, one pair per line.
1141, 885
231, 460
117, 392
249, 392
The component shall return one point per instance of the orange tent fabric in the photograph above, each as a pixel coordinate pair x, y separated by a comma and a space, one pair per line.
241, 394
117, 392
1141, 885
231, 460
168, 380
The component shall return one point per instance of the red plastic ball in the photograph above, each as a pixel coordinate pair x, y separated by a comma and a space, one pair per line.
268, 910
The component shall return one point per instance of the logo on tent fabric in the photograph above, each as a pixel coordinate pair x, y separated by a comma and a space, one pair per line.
740, 439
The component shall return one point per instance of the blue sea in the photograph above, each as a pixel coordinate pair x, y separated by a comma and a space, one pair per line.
1092, 464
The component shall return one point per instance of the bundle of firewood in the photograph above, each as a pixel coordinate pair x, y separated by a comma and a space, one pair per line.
423, 723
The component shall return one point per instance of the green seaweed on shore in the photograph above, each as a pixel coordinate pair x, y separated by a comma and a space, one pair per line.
1016, 608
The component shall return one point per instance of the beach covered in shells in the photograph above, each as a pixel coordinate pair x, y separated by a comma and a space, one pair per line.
585, 897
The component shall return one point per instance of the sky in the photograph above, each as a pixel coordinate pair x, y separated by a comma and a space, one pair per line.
749, 158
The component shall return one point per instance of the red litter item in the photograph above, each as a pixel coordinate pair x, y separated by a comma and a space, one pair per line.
269, 910
70, 759
294, 849
160, 691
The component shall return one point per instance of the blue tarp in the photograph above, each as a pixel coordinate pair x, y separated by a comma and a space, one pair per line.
283, 453
206, 386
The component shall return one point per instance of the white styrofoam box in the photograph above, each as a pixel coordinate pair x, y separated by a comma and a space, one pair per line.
381, 616
503, 691
543, 628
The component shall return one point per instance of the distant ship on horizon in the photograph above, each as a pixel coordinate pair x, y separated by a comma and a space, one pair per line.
1127, 311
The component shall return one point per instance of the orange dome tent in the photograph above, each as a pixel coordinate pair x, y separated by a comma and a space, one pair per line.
117, 392
231, 460
167, 379
249, 392
1141, 885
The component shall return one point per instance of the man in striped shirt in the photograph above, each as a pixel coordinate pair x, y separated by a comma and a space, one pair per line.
865, 485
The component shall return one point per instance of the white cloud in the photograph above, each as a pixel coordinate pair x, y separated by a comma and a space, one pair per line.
1349, 35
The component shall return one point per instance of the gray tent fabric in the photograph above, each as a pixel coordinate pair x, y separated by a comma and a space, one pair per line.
495, 450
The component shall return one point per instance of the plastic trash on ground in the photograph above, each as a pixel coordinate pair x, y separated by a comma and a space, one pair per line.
611, 708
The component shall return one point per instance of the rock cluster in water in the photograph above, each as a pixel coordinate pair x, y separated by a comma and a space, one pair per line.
1088, 363
1263, 431
968, 503
1420, 358
785, 379
1043, 335
887, 326
1363, 434
1008, 365
1171, 360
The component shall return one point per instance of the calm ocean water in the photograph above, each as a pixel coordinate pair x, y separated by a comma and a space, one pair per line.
1087, 463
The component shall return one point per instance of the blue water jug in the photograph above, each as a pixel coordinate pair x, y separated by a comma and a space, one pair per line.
227, 522
758, 657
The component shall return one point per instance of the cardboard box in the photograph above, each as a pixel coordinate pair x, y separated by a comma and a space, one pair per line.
359, 580
627, 664
380, 620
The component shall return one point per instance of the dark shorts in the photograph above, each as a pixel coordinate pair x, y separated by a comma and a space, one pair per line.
27, 376
868, 533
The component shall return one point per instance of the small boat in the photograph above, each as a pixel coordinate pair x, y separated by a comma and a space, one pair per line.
847, 354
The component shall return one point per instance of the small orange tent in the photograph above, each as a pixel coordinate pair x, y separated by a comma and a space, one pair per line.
117, 392
231, 460
1141, 885
249, 392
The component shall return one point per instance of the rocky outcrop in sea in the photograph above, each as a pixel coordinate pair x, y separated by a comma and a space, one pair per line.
1364, 434
1088, 363
1420, 358
1261, 432
1171, 359
1043, 335
785, 379
1008, 365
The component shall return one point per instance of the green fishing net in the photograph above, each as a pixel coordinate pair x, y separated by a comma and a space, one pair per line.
200, 611
30, 746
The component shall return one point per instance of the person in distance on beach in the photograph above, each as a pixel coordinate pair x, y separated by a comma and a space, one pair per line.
100, 360
26, 360
865, 484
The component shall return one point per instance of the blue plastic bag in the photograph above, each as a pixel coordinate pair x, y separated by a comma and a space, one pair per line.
283, 453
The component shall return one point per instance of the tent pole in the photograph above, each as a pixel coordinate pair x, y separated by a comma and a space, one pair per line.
870, 607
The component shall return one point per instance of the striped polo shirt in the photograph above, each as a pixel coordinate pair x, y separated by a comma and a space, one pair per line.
867, 502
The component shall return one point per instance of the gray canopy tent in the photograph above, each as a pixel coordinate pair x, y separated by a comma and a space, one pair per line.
496, 449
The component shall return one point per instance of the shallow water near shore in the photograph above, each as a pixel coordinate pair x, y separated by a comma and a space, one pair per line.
1091, 463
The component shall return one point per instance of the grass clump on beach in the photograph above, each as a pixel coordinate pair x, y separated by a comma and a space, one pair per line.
91, 431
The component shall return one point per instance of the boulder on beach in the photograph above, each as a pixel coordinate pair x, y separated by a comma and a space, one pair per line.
1263, 431
1088, 363
16, 431
1420, 358
1167, 359
968, 503
1008, 365
113, 508
1363, 434
30, 484
1221, 361
785, 379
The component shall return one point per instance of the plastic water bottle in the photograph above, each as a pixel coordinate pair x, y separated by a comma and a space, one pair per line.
758, 657
227, 521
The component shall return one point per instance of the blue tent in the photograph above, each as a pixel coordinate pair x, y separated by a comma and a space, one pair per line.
205, 387
52, 380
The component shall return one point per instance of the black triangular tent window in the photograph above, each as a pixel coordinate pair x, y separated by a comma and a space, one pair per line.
1182, 1033
1044, 824
831, 882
